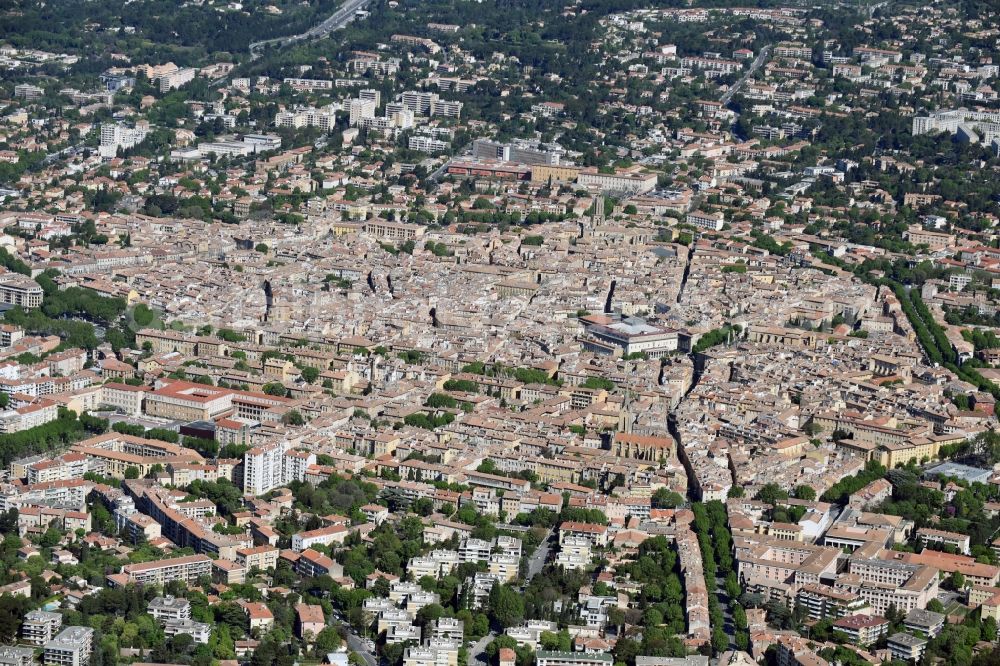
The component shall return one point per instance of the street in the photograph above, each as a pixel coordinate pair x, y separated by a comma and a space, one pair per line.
356, 644
441, 170
476, 652
754, 66
538, 558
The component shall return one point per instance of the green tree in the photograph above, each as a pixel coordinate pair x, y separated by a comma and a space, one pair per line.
276, 389
328, 640
293, 418
664, 498
771, 493
805, 493
506, 606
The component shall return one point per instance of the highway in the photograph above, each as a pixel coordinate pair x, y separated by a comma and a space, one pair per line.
754, 66
335, 21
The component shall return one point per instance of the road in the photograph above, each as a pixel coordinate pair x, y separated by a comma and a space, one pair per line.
354, 642
728, 624
335, 21
438, 174
754, 66
541, 554
536, 563
476, 652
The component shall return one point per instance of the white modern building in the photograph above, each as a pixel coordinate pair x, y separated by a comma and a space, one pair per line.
116, 136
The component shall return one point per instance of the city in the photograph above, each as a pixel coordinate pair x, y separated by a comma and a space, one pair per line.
591, 333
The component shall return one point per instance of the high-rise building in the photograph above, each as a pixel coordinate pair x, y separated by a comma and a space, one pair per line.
115, 136
418, 102
324, 118
358, 109
371, 94
176, 79
272, 465
446, 108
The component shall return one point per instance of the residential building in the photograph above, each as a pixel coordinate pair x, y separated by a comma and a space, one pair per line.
72, 647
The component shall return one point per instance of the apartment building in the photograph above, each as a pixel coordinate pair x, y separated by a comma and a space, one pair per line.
274, 464
72, 647
67, 466
201, 632
324, 118
359, 109
418, 102
596, 535
706, 220
924, 622
176, 79
323, 536
960, 542
716, 65
16, 289
427, 144
188, 569
824, 601
169, 608
260, 557
934, 240
793, 50
575, 553
905, 647
11, 655
309, 84
311, 563
862, 629
28, 92
117, 136
39, 627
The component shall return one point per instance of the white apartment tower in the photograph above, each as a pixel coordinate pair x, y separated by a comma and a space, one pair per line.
115, 136
273, 465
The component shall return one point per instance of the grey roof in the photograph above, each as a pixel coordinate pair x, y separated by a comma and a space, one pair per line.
924, 618
70, 638
906, 640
